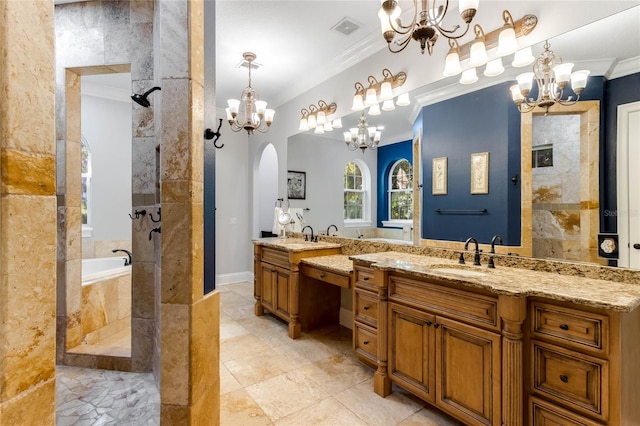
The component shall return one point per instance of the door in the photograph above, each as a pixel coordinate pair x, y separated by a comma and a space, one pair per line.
282, 293
468, 372
268, 276
628, 177
412, 350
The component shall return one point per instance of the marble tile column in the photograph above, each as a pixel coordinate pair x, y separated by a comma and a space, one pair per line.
27, 213
189, 320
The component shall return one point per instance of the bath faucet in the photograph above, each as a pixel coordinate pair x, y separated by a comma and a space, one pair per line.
306, 237
127, 262
476, 256
336, 228
493, 250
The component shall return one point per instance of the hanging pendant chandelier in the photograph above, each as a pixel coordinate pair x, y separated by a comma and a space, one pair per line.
363, 136
552, 77
255, 115
425, 26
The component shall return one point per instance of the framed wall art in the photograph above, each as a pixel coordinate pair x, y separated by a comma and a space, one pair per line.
296, 185
439, 176
480, 173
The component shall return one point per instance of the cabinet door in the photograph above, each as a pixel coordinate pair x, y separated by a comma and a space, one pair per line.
282, 292
412, 350
267, 285
468, 372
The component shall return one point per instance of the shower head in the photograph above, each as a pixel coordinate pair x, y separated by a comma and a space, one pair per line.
142, 99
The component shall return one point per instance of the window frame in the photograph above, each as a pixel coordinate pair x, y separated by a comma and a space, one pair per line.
365, 221
391, 190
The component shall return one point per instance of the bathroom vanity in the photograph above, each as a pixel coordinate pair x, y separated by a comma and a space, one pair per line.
278, 278
500, 346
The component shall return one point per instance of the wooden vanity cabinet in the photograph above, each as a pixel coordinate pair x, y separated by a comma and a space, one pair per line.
277, 285
444, 347
583, 365
366, 309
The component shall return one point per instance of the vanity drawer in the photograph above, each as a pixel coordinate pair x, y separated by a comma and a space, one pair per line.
471, 307
365, 341
578, 380
543, 413
364, 277
365, 307
326, 276
275, 257
571, 327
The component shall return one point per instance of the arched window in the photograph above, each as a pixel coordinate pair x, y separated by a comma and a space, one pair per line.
401, 191
357, 194
85, 151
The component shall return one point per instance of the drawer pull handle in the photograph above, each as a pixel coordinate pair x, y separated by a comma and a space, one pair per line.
321, 275
564, 379
365, 307
366, 342
366, 278
564, 326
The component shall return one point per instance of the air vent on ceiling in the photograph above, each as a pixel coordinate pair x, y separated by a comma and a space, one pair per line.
346, 26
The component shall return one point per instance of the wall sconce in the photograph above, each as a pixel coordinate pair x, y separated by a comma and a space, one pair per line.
319, 118
504, 39
380, 91
210, 134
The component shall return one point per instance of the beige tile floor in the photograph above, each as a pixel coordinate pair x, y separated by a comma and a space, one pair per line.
268, 379
265, 379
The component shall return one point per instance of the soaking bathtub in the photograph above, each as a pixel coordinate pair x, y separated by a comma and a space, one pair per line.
103, 268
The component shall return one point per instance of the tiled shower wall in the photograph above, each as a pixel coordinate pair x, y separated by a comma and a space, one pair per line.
100, 37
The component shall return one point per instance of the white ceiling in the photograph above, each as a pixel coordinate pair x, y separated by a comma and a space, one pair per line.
298, 49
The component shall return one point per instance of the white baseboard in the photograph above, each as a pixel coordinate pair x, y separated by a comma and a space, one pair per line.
346, 318
237, 277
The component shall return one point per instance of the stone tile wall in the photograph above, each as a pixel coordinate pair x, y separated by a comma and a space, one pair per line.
27, 213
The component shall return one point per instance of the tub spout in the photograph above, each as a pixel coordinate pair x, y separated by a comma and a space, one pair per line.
127, 262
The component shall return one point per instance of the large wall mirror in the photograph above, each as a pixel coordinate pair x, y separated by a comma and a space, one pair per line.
566, 163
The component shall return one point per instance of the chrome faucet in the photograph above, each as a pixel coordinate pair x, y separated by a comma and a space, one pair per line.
493, 250
330, 226
306, 237
127, 262
476, 256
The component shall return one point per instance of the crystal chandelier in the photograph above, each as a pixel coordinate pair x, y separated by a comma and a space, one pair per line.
363, 136
552, 77
425, 25
256, 115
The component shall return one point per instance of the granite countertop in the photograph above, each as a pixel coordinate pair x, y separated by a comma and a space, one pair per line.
339, 263
295, 244
517, 282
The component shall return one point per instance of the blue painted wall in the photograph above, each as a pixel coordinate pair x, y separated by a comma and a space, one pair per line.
387, 156
482, 121
619, 91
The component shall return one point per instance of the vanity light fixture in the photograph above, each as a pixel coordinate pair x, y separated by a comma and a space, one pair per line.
480, 51
380, 92
552, 77
425, 25
255, 116
364, 136
319, 118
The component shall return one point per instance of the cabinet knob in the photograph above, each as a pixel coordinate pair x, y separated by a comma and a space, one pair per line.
366, 278
564, 379
366, 342
273, 270
564, 326
436, 325
429, 323
636, 246
365, 307
322, 275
